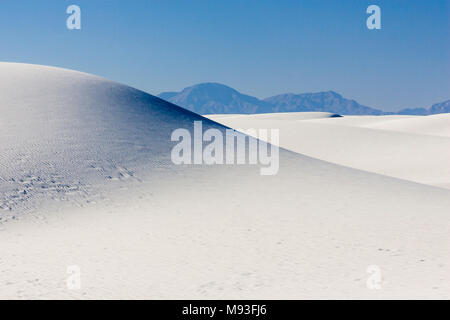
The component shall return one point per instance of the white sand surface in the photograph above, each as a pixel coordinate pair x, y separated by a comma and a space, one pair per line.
86, 180
437, 125
413, 148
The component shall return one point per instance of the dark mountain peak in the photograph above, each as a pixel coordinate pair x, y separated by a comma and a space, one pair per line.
442, 107
209, 87
213, 85
211, 97
334, 93
290, 95
328, 94
325, 101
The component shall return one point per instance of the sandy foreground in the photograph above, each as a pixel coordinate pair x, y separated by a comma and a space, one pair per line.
86, 180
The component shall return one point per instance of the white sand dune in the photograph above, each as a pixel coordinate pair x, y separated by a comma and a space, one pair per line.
438, 125
86, 179
360, 121
372, 143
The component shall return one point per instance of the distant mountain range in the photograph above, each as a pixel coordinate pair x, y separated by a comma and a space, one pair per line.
216, 98
213, 98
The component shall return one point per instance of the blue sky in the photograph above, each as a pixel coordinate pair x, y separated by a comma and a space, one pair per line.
259, 47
